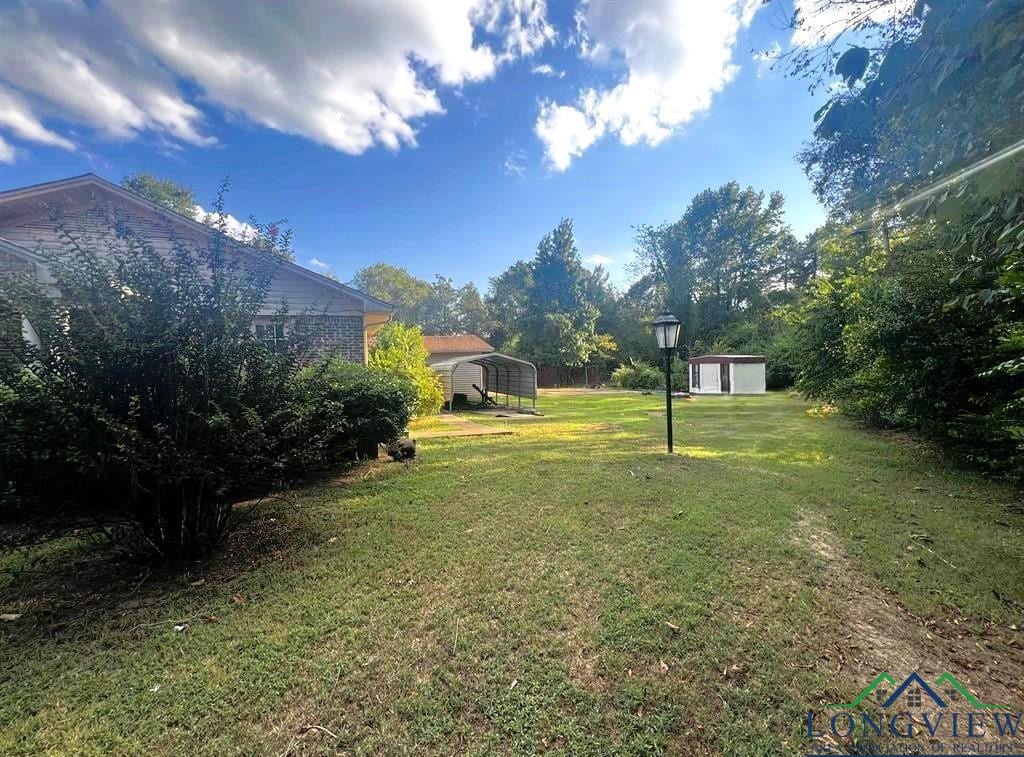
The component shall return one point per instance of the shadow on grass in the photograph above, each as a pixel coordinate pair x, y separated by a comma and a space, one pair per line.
75, 585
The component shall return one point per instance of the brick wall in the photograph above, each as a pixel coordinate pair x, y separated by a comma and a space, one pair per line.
335, 335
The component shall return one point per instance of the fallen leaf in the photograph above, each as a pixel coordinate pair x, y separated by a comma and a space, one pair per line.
9, 616
515, 682
671, 625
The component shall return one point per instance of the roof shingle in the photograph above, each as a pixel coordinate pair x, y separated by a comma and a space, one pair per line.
437, 345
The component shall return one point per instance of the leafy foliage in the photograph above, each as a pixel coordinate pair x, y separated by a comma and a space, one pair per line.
919, 326
399, 350
348, 409
438, 308
395, 285
638, 375
556, 304
165, 192
723, 268
152, 399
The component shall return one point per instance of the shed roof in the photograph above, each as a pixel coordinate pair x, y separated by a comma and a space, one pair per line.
728, 359
437, 345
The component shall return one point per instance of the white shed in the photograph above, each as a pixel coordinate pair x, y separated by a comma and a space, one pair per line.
727, 374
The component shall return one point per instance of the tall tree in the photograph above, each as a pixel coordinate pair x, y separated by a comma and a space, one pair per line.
441, 308
397, 286
472, 311
560, 325
719, 261
507, 304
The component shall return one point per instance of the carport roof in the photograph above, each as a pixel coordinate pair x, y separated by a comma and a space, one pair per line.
503, 374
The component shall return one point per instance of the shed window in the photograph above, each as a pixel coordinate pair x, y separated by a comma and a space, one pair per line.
695, 376
272, 334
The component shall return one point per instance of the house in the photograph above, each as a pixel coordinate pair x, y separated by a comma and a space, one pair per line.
470, 369
446, 347
727, 374
338, 318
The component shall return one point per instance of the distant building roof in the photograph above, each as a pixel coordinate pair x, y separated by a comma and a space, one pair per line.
728, 359
437, 345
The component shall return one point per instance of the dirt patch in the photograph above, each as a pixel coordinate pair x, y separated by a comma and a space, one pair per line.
877, 634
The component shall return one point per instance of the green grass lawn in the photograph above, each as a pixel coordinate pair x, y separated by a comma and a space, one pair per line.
568, 588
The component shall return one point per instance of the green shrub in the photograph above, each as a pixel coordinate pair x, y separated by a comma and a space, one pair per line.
638, 375
153, 401
166, 407
399, 349
34, 448
345, 410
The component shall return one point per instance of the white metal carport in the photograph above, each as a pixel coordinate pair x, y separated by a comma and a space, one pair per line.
501, 374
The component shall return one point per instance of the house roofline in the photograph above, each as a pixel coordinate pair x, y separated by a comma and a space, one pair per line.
375, 304
19, 251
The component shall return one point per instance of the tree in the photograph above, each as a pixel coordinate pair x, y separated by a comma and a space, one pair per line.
921, 315
472, 311
559, 326
165, 192
399, 349
718, 263
507, 303
441, 308
397, 286
943, 90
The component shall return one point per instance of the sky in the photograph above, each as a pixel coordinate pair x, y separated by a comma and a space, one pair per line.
442, 137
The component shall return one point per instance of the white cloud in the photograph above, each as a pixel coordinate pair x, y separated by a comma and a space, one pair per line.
567, 131
522, 24
515, 163
677, 55
17, 117
346, 75
234, 228
825, 19
598, 260
319, 264
545, 69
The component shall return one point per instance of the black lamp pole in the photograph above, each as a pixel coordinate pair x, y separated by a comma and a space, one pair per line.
666, 331
666, 359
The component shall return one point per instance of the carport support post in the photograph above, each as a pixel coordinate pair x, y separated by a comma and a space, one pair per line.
666, 359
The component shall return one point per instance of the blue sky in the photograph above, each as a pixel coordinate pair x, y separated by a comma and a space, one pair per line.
464, 192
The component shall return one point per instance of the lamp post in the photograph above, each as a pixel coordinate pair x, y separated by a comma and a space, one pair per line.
666, 331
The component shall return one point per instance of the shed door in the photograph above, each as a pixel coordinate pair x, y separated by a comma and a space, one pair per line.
709, 378
724, 367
